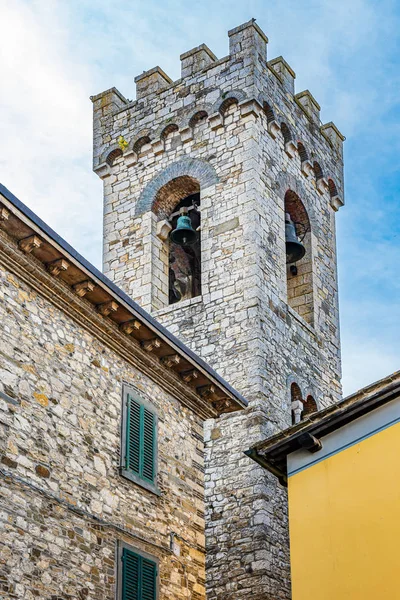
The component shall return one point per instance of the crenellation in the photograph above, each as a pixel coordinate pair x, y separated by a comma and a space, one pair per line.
335, 138
309, 105
285, 73
196, 60
247, 39
151, 82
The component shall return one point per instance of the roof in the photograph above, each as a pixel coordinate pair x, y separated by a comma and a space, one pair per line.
272, 452
34, 236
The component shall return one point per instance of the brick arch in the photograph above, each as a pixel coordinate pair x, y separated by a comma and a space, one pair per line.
295, 392
171, 194
309, 406
113, 155
144, 134
295, 207
110, 154
288, 182
318, 171
193, 169
287, 134
227, 99
168, 129
198, 116
142, 141
302, 151
268, 111
192, 114
333, 191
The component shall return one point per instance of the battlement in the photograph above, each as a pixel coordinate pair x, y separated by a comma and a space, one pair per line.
206, 89
246, 63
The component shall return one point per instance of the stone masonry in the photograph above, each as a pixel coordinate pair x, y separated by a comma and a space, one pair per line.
64, 504
235, 131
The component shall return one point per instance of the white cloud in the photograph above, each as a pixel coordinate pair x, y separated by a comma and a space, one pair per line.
46, 135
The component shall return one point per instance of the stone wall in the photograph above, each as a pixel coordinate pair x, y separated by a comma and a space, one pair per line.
244, 162
64, 505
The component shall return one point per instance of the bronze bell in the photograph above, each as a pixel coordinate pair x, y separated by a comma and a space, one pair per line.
294, 249
183, 234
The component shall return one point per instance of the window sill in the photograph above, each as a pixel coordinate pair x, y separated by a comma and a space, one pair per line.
150, 487
172, 307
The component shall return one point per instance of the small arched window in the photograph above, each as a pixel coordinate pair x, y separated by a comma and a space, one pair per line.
112, 157
302, 152
309, 407
287, 136
318, 171
141, 143
168, 130
198, 118
269, 113
227, 104
332, 188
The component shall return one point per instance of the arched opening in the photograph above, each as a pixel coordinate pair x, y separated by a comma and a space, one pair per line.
309, 407
168, 130
296, 403
170, 136
227, 104
269, 113
318, 171
199, 117
112, 157
302, 152
287, 136
299, 276
332, 188
139, 145
183, 267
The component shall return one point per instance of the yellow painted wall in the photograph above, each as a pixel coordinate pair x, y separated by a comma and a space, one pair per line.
344, 516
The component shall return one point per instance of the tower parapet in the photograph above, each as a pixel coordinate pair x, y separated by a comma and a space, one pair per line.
232, 144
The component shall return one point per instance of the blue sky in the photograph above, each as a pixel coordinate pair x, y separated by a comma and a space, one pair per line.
55, 54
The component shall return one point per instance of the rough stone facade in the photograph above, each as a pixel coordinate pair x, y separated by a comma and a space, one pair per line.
234, 130
64, 505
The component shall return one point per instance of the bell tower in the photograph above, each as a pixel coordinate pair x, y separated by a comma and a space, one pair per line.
232, 148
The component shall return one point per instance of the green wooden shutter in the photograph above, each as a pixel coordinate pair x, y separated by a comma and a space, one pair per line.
133, 435
148, 445
149, 574
130, 575
140, 440
139, 577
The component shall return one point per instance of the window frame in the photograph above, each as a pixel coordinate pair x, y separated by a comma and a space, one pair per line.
129, 390
121, 546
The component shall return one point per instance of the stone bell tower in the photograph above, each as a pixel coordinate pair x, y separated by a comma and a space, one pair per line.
232, 145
